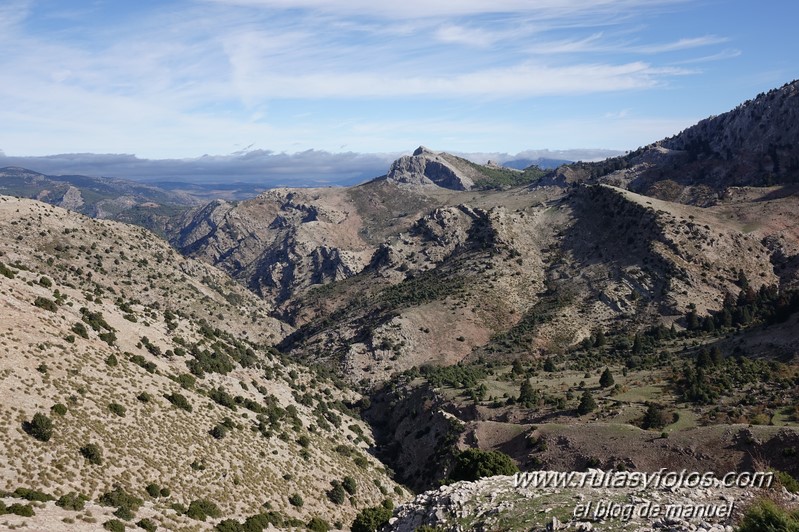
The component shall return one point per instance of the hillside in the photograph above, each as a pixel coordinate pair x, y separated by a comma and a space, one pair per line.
147, 383
751, 145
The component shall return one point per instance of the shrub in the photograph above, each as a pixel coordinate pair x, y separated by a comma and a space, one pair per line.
147, 525
587, 404
218, 432
5, 271
337, 494
296, 500
787, 481
80, 330
144, 397
304, 441
59, 409
179, 401
114, 525
165, 492
200, 509
32, 495
606, 379
112, 360
765, 515
123, 512
371, 519
93, 453
72, 501
46, 304
40, 427
230, 525
656, 417
24, 510
474, 464
117, 409
119, 498
317, 524
45, 282
349, 485
153, 490
186, 380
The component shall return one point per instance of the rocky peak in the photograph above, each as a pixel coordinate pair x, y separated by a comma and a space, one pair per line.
427, 168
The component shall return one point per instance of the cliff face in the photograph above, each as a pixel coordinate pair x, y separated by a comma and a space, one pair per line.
426, 168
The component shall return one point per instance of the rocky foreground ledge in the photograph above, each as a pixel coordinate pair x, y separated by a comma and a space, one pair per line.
502, 503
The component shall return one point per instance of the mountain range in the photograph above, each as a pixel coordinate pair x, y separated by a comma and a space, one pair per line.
270, 350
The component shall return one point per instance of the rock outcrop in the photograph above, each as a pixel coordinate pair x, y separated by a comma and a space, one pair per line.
426, 168
498, 503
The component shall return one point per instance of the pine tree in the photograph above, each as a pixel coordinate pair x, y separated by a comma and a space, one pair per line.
606, 379
587, 403
527, 394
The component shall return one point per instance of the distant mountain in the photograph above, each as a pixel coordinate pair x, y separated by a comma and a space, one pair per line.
540, 162
99, 197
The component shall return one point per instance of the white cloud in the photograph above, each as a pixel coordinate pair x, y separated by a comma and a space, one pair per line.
411, 9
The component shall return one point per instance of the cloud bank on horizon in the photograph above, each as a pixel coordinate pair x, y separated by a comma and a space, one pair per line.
262, 167
343, 81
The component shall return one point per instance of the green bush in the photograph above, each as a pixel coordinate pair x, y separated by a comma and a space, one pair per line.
45, 282
153, 490
93, 453
474, 464
317, 524
72, 501
230, 525
123, 512
371, 519
111, 360
296, 500
46, 304
765, 516
59, 409
587, 403
200, 509
337, 494
117, 409
24, 510
5, 271
147, 524
114, 525
218, 432
144, 397
125, 503
80, 330
787, 481
349, 485
32, 495
40, 427
179, 401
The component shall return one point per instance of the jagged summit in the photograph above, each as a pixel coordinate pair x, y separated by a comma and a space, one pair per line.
427, 168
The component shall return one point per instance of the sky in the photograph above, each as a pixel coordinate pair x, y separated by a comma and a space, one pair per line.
115, 87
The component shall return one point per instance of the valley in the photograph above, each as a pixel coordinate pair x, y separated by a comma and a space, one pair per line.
310, 357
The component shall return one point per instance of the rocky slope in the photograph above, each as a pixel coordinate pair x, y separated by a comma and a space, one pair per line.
156, 369
752, 145
498, 503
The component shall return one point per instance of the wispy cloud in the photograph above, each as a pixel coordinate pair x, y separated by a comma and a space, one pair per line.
185, 77
681, 44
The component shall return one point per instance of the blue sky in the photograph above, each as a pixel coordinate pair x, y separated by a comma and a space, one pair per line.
182, 78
